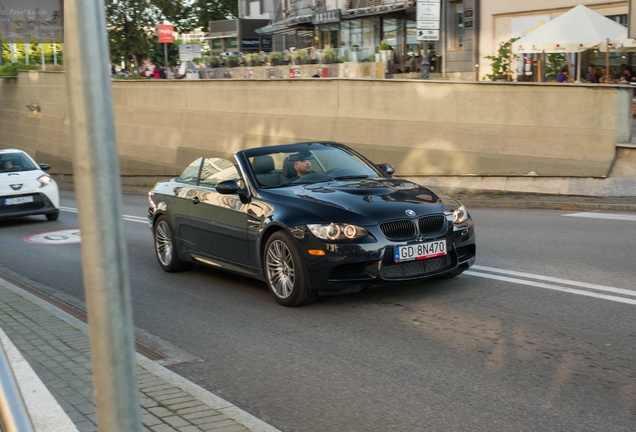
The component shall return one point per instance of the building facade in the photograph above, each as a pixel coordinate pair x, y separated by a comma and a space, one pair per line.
362, 25
503, 20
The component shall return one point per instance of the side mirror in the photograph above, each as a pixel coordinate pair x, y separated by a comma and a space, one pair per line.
45, 167
387, 168
230, 187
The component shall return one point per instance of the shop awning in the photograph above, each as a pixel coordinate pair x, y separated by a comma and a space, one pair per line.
223, 36
287, 26
376, 10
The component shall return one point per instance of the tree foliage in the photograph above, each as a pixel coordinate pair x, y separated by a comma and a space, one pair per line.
132, 24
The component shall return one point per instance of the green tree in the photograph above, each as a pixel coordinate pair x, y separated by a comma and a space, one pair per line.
204, 11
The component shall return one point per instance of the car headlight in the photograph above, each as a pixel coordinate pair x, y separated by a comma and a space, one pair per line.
460, 215
44, 180
336, 231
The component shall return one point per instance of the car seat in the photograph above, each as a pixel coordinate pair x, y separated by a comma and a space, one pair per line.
265, 172
288, 169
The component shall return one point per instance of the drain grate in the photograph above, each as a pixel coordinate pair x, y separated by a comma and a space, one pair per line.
142, 349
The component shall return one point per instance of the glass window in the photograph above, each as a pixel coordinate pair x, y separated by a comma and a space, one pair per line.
457, 10
216, 170
191, 174
371, 33
16, 162
217, 44
231, 43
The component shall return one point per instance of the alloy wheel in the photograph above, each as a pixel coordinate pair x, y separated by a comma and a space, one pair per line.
163, 242
280, 269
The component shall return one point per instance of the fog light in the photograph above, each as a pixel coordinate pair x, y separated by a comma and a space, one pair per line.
316, 252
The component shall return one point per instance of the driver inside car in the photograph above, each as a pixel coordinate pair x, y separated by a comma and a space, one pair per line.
302, 165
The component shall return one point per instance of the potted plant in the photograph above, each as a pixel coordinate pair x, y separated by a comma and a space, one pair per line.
231, 61
253, 59
215, 61
386, 55
502, 63
327, 56
275, 58
300, 57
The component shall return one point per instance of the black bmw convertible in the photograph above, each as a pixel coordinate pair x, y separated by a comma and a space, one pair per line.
310, 219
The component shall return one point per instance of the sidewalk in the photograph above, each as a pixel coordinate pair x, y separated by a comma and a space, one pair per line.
49, 352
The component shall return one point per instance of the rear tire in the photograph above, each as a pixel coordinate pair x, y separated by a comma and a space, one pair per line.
166, 247
285, 272
52, 216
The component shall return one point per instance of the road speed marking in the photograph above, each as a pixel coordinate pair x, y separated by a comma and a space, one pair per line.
67, 236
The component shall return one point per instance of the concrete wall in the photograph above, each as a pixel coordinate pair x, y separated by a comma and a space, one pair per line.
422, 128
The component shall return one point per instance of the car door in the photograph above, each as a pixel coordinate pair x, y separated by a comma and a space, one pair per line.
178, 200
219, 221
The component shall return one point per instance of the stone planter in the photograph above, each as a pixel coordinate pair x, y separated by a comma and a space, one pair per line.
385, 57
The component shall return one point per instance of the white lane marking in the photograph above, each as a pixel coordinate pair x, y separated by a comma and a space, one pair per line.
602, 216
553, 287
557, 280
128, 218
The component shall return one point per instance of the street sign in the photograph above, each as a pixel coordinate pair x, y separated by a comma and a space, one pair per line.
429, 25
189, 51
428, 11
427, 35
165, 33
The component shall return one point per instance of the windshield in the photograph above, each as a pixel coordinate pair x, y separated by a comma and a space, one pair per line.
10, 162
308, 163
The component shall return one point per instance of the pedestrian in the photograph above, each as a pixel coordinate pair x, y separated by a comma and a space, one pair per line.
170, 73
182, 70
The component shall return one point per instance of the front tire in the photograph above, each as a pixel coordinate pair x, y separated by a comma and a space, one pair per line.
166, 247
52, 216
285, 272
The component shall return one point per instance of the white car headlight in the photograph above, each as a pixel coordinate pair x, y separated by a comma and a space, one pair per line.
460, 215
336, 231
44, 180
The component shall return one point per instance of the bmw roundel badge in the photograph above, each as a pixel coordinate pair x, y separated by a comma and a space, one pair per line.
410, 212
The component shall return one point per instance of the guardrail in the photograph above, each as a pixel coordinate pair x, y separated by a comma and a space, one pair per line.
14, 416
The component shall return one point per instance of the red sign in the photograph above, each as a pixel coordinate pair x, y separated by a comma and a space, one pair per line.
165, 33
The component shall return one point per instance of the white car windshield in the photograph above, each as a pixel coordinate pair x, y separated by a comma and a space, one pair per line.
10, 162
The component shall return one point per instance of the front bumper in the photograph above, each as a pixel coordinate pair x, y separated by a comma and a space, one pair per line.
350, 267
41, 205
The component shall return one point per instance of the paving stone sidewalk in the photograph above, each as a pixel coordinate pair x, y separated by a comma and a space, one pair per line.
57, 349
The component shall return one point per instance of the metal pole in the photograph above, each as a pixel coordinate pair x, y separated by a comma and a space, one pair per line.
98, 188
54, 53
26, 39
37, 11
14, 416
165, 55
426, 66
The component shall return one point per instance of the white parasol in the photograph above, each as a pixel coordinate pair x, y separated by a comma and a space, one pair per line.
577, 30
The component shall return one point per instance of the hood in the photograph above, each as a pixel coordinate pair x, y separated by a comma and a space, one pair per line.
370, 200
28, 180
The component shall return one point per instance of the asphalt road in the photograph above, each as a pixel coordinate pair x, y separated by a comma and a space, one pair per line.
539, 336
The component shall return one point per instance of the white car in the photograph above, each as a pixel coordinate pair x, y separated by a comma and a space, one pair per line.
25, 189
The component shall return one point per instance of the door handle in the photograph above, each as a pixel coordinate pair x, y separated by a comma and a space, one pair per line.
195, 200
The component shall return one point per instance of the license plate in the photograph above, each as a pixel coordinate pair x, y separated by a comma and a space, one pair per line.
419, 251
18, 200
